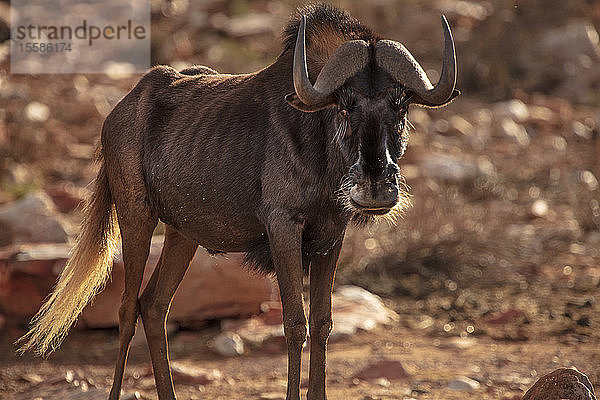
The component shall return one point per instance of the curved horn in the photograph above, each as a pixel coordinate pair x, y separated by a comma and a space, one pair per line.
349, 58
397, 60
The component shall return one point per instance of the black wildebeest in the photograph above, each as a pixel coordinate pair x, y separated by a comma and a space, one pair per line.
266, 163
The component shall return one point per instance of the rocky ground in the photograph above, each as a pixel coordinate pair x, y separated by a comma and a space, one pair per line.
493, 272
392, 363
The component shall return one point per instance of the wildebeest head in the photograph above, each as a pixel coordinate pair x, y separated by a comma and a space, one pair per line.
371, 84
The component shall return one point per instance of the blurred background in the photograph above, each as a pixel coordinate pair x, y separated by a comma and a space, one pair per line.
503, 238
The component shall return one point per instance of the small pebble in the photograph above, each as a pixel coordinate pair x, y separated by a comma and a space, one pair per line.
539, 208
37, 112
229, 344
463, 384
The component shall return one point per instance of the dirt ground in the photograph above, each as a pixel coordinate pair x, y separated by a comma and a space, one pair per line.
504, 368
500, 332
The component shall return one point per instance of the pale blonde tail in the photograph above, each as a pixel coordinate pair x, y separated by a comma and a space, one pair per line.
84, 275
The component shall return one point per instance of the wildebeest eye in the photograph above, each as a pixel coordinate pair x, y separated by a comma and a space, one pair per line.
346, 101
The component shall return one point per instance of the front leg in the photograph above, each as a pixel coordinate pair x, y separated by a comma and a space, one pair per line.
322, 272
285, 239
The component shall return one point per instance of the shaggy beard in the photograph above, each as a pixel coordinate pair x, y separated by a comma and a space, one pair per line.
360, 218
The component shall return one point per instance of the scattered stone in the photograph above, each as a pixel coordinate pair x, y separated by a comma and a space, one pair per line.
513, 109
18, 175
32, 378
383, 382
504, 317
131, 396
463, 384
147, 383
36, 112
421, 322
539, 208
542, 115
188, 374
449, 168
34, 219
459, 343
584, 321
589, 179
255, 331
229, 344
563, 383
355, 308
516, 131
461, 126
271, 396
387, 369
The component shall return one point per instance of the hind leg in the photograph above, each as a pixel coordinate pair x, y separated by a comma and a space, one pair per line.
136, 236
155, 303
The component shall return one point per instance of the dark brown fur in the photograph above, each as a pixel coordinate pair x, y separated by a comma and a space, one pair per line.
226, 163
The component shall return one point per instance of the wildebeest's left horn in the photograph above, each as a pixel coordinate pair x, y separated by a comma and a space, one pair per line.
397, 60
349, 58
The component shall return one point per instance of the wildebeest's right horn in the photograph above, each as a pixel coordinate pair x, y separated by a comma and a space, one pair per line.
397, 60
347, 60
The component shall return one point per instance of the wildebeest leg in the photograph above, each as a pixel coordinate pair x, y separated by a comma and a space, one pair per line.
322, 271
285, 240
155, 303
136, 232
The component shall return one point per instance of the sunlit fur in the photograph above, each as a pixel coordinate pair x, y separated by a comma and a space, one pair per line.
85, 274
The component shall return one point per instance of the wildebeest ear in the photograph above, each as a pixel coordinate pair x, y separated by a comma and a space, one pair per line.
295, 102
415, 99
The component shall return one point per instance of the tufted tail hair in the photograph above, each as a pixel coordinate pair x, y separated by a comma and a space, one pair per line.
84, 275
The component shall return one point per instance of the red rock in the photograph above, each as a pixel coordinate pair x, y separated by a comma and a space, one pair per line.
214, 287
389, 369
66, 196
21, 294
504, 317
563, 383
272, 313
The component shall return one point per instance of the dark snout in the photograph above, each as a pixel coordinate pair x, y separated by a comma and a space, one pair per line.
375, 195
